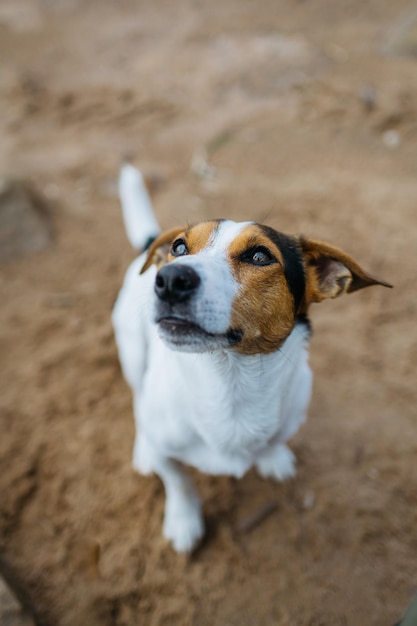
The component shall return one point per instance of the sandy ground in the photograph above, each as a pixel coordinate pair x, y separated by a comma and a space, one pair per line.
299, 114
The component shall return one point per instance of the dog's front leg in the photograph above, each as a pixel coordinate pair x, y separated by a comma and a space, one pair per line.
183, 519
276, 461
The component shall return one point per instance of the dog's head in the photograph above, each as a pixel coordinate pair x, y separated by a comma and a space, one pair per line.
223, 284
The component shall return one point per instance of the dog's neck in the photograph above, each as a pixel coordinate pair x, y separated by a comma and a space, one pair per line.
237, 399
245, 374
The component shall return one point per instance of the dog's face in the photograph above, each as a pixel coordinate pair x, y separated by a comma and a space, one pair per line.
223, 284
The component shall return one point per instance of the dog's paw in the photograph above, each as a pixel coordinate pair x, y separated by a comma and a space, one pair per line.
183, 524
277, 463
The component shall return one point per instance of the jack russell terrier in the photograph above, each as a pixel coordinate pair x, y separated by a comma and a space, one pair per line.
212, 331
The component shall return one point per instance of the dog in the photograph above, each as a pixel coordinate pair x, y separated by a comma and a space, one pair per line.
212, 330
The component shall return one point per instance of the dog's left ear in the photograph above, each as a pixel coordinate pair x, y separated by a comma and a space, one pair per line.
330, 272
158, 250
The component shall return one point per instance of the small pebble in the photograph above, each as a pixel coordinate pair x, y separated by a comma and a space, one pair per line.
309, 499
391, 139
372, 473
200, 166
367, 96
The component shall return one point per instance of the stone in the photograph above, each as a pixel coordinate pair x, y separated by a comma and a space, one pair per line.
25, 224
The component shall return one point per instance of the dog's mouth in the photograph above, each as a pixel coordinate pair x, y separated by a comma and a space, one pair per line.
180, 327
182, 332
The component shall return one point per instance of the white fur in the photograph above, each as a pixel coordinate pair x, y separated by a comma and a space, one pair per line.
219, 411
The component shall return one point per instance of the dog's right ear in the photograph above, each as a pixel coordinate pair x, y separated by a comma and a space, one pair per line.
158, 250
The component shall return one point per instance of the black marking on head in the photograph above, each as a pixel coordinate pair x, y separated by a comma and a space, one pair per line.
304, 320
148, 243
234, 336
293, 263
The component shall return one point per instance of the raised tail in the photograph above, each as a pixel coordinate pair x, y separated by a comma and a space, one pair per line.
140, 222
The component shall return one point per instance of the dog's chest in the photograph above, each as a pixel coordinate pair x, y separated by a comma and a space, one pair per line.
211, 409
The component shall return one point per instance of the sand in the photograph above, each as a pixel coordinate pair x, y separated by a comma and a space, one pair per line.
301, 115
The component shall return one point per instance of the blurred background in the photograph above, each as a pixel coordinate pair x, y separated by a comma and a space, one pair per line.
296, 113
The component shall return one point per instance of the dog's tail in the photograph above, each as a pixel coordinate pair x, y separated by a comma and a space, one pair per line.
140, 222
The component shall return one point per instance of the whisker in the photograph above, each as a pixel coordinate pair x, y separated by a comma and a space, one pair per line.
286, 356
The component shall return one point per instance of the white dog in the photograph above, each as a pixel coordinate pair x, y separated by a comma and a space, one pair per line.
212, 331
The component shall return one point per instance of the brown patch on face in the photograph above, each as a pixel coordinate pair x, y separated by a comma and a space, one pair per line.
195, 237
264, 307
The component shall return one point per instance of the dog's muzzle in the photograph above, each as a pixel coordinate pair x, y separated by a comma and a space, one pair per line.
184, 315
176, 283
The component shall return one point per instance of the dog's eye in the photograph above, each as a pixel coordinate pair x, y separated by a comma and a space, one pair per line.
258, 256
179, 248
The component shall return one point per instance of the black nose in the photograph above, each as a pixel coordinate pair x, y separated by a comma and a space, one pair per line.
176, 283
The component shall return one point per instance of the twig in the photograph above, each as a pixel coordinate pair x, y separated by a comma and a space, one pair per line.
251, 522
